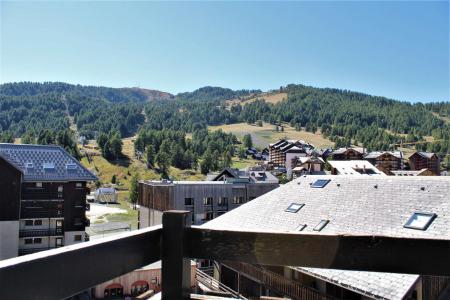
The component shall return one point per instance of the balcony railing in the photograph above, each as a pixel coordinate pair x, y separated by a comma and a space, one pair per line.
33, 250
41, 213
36, 195
175, 243
41, 232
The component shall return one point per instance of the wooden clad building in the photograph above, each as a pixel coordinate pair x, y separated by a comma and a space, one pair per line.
425, 160
385, 161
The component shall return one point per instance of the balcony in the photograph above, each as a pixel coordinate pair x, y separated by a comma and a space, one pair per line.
41, 232
37, 195
175, 243
41, 213
33, 250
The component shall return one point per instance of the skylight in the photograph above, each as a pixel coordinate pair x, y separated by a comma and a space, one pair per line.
321, 225
71, 166
30, 166
48, 166
294, 207
420, 221
320, 183
300, 227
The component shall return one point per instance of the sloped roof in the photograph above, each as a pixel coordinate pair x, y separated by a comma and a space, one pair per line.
376, 154
343, 150
408, 172
426, 154
351, 167
45, 163
373, 205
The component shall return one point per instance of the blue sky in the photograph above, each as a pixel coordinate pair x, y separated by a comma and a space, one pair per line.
394, 49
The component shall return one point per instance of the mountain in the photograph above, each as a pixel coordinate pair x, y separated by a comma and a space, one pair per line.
345, 117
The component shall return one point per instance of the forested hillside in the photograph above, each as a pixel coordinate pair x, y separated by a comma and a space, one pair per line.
344, 117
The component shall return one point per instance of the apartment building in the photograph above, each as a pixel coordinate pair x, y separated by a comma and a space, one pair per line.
205, 199
43, 199
425, 160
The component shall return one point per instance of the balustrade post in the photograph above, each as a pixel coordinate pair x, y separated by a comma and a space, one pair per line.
176, 269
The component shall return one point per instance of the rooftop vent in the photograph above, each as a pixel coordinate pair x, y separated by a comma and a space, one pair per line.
320, 183
321, 225
420, 221
294, 207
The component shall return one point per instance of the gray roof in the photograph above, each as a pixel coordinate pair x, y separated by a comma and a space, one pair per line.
45, 163
355, 167
374, 205
343, 150
426, 154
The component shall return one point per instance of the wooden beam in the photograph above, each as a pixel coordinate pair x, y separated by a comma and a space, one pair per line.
347, 252
176, 269
66, 271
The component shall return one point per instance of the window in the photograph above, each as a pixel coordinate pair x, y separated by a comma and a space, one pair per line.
207, 200
294, 207
321, 225
207, 216
28, 241
188, 201
37, 222
320, 183
38, 184
238, 200
37, 240
78, 185
300, 227
420, 221
60, 189
223, 201
28, 222
77, 238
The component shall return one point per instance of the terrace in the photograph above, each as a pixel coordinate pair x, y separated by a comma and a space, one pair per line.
66, 271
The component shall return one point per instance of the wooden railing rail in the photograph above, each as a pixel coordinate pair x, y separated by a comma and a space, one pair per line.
63, 272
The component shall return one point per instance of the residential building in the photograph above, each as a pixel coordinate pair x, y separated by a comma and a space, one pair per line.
401, 207
351, 153
282, 152
386, 161
205, 199
43, 199
425, 160
353, 167
308, 165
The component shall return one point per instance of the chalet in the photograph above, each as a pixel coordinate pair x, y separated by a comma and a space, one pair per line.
407, 207
205, 199
282, 152
385, 161
106, 195
353, 167
354, 153
308, 165
425, 160
43, 199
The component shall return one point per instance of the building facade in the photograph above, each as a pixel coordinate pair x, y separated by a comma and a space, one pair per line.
425, 160
386, 161
43, 199
205, 199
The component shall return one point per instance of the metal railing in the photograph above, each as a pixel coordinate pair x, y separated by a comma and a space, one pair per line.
56, 273
216, 286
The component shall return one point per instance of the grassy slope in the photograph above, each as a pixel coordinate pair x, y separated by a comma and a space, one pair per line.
266, 134
268, 97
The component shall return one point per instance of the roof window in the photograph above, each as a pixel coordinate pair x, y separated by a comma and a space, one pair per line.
29, 165
48, 166
294, 207
320, 183
71, 166
420, 221
321, 225
300, 227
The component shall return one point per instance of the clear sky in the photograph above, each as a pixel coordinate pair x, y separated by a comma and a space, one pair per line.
394, 49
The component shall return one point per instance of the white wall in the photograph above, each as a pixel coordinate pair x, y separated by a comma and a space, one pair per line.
9, 239
70, 235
